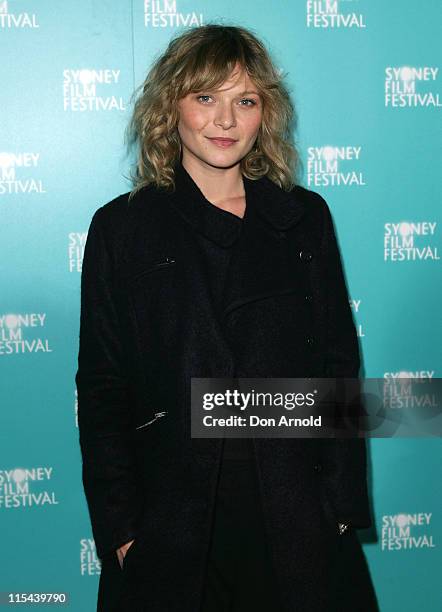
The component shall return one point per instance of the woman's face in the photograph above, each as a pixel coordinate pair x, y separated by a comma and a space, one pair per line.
233, 111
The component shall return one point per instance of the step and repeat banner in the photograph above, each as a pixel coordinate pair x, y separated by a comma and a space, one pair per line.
365, 77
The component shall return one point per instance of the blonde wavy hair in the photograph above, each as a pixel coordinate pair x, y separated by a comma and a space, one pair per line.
203, 58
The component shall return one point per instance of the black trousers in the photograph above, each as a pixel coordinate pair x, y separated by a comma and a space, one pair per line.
239, 575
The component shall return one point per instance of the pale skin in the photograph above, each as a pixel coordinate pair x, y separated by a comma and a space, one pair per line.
231, 111
234, 110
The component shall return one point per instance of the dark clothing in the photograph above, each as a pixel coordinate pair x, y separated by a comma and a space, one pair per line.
217, 259
240, 577
148, 325
239, 574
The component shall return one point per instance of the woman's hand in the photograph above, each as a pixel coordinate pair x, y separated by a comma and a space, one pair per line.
121, 552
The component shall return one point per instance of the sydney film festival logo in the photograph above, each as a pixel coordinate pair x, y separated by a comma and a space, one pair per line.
11, 19
90, 564
331, 166
355, 306
76, 407
19, 173
333, 14
76, 246
92, 90
413, 374
23, 333
26, 487
401, 392
403, 531
165, 14
411, 86
410, 241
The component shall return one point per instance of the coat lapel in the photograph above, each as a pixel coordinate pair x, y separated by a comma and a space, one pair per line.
278, 208
259, 266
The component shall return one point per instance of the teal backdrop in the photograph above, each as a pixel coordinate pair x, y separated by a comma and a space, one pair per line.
365, 76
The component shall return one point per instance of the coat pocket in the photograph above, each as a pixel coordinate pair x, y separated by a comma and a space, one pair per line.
164, 263
157, 415
275, 293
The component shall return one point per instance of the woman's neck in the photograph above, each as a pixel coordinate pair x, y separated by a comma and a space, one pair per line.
223, 187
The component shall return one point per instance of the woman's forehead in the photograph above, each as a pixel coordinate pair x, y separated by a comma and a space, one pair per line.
238, 80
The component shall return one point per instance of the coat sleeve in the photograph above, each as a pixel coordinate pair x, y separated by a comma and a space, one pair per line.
108, 461
344, 459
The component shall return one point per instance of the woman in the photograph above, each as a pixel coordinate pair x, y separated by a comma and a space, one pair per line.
216, 265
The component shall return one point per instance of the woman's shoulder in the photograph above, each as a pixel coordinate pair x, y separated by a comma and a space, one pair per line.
316, 204
115, 221
310, 197
115, 213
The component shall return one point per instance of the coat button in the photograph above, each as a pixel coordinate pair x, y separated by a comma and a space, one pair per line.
305, 255
317, 467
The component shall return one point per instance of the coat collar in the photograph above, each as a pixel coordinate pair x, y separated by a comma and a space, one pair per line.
277, 207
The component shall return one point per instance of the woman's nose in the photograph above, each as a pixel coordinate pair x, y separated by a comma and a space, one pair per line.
225, 116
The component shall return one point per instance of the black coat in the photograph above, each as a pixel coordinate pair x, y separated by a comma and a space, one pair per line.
148, 326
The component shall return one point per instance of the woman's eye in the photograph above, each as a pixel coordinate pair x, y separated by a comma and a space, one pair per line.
252, 102
198, 97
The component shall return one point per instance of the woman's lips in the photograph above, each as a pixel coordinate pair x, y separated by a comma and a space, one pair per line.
223, 142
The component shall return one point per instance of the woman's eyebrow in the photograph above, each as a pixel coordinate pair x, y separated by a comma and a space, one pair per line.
242, 93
